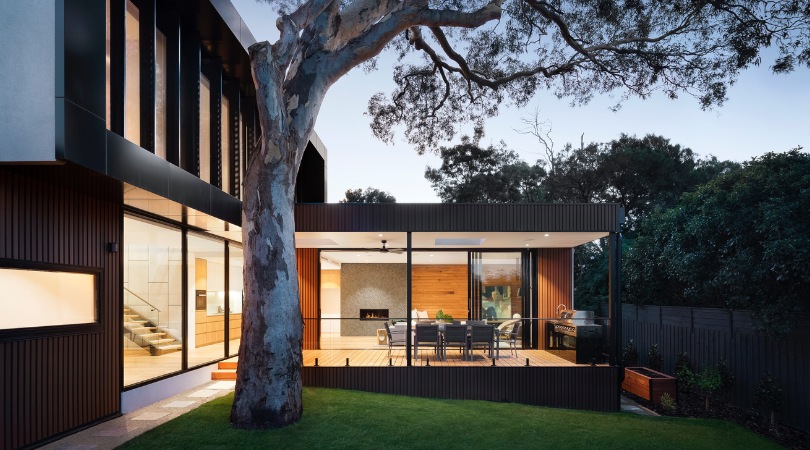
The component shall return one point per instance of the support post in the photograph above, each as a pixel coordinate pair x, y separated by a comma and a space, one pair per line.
409, 299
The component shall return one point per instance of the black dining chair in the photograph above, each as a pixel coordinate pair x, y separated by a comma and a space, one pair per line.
396, 337
426, 335
482, 337
455, 336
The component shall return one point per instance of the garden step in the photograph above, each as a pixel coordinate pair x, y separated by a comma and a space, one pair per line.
229, 365
223, 375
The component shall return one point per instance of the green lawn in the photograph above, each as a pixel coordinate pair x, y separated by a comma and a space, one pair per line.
349, 419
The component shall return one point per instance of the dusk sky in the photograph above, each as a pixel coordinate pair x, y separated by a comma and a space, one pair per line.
763, 113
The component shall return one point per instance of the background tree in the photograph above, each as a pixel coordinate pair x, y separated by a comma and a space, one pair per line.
741, 241
475, 55
370, 195
471, 174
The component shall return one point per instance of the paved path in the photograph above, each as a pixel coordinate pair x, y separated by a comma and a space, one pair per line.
111, 434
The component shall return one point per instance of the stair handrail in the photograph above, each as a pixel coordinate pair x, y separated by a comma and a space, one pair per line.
142, 299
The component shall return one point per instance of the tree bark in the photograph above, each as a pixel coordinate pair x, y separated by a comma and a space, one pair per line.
268, 387
268, 384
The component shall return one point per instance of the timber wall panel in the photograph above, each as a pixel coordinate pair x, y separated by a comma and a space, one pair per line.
708, 335
309, 291
51, 383
555, 284
592, 388
440, 287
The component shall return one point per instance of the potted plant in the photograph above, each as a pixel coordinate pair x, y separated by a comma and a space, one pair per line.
442, 317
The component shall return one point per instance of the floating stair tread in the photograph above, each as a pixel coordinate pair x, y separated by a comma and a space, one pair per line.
169, 347
148, 335
228, 365
223, 375
161, 341
136, 329
137, 321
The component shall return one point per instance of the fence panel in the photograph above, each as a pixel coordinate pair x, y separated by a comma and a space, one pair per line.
709, 334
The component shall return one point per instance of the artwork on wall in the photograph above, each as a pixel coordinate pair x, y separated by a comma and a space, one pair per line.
496, 302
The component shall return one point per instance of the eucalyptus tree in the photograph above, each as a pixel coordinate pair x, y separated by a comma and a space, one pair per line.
460, 61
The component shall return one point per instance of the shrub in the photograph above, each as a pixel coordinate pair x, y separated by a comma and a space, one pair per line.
654, 358
668, 403
630, 354
709, 382
440, 315
684, 372
768, 397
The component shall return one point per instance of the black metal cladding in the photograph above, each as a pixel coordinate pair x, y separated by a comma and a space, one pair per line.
459, 217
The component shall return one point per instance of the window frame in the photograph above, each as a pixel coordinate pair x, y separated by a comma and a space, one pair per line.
97, 326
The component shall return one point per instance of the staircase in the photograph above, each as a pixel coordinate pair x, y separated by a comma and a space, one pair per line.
147, 335
226, 370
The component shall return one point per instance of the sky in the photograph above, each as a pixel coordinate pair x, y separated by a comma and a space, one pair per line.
763, 113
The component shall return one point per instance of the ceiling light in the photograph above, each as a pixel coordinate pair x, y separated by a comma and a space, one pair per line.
546, 235
380, 235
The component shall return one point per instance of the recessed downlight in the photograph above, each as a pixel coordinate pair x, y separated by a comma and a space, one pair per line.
546, 235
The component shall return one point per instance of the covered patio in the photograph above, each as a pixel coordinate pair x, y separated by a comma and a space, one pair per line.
457, 264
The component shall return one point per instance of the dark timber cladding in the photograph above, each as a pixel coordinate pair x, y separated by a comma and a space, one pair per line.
418, 217
590, 388
57, 380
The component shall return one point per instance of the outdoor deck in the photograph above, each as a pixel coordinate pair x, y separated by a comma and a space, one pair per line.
363, 351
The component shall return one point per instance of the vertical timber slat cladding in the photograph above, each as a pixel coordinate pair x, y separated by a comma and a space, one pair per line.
708, 335
440, 287
56, 381
596, 387
554, 284
309, 291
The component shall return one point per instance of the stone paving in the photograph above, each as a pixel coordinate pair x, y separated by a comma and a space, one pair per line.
111, 434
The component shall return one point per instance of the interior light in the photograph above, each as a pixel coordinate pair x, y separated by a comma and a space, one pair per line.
380, 235
546, 235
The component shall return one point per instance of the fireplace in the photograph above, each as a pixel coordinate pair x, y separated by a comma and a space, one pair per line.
373, 314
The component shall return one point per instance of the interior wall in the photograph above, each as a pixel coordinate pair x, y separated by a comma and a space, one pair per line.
330, 301
440, 287
371, 286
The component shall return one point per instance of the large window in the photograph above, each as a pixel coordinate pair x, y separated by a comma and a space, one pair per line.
205, 129
38, 298
161, 79
153, 316
132, 85
206, 319
235, 297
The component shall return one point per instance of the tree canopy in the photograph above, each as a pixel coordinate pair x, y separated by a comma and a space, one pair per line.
460, 61
741, 241
471, 174
370, 195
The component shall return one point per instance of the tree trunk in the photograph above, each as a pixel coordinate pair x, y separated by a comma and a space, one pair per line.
268, 385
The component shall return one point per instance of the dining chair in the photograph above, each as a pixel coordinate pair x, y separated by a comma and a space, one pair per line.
455, 336
426, 335
513, 335
481, 337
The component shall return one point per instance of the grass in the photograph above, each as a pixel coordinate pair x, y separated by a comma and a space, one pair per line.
350, 419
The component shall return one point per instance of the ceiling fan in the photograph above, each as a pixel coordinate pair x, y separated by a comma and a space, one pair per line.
385, 249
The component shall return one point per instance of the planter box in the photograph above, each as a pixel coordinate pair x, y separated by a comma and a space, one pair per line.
648, 384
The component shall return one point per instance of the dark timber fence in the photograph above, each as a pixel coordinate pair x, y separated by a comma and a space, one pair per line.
709, 334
